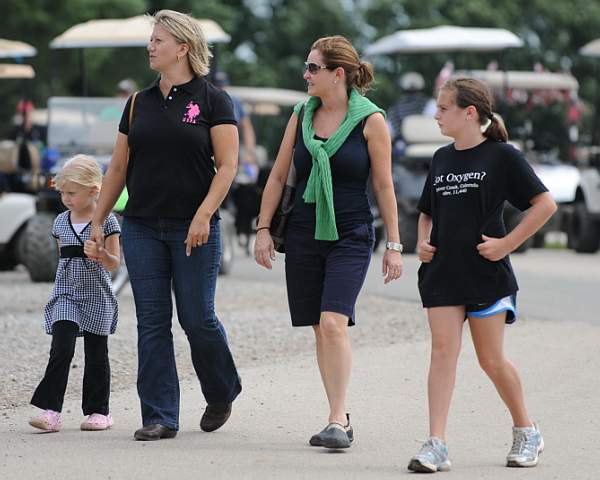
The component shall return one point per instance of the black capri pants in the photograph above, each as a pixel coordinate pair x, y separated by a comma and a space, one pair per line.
50, 393
326, 276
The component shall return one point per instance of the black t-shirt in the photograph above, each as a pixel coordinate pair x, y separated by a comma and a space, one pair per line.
171, 163
465, 194
350, 168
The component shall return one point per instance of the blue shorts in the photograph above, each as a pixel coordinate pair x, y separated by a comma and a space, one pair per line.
482, 310
325, 276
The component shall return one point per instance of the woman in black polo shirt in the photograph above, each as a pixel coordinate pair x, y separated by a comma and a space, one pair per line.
171, 230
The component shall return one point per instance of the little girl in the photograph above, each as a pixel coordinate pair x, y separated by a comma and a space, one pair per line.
82, 302
466, 272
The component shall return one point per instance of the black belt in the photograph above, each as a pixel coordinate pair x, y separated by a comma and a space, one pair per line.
72, 251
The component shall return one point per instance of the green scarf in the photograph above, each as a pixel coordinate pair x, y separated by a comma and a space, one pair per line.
319, 189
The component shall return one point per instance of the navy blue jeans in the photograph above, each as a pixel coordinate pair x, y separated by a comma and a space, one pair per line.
154, 252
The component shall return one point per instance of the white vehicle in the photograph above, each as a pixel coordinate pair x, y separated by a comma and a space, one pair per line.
575, 188
15, 208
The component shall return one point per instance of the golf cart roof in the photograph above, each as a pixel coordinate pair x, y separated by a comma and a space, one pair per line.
444, 39
523, 80
591, 49
266, 101
124, 32
13, 49
11, 70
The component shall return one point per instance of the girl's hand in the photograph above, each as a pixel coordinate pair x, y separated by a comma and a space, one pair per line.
92, 250
197, 234
391, 265
425, 251
264, 250
493, 249
96, 237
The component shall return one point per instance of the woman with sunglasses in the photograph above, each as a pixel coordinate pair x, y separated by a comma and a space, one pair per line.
337, 139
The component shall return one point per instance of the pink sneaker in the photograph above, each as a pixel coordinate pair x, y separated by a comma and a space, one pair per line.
49, 421
97, 421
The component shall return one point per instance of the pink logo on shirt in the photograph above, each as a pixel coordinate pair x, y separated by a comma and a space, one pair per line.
193, 110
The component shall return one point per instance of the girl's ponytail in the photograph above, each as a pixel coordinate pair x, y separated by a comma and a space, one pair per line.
496, 129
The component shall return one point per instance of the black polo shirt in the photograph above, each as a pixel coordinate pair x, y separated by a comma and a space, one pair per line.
171, 163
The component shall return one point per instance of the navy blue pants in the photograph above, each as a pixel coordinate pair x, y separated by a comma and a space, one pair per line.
324, 276
154, 252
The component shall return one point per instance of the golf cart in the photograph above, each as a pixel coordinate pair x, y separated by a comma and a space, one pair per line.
15, 208
585, 222
561, 177
89, 125
421, 133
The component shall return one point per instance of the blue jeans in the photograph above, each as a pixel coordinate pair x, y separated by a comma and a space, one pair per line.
154, 252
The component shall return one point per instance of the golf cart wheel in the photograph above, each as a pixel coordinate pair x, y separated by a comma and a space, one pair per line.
41, 250
407, 224
538, 240
584, 231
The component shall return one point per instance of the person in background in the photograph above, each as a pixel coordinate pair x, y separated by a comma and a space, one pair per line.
412, 102
30, 139
126, 88
245, 193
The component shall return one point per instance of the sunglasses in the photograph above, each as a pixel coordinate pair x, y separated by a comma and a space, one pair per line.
313, 68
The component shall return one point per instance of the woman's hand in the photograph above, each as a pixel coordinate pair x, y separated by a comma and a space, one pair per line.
264, 250
425, 251
493, 249
198, 233
391, 265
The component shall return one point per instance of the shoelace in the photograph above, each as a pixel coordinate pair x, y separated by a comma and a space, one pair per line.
520, 443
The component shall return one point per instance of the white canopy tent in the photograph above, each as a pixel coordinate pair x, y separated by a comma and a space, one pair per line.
266, 101
523, 80
125, 32
444, 39
11, 70
591, 49
14, 49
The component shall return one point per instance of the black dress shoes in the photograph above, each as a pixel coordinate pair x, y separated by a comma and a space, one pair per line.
155, 431
215, 416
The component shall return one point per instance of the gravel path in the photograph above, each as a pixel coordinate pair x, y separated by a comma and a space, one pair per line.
255, 316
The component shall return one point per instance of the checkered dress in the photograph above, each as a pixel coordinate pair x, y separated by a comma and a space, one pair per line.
82, 290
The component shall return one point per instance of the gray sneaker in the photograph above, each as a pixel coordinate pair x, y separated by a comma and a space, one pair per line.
433, 457
526, 448
334, 435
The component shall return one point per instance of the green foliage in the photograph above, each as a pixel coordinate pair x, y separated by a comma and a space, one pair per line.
271, 38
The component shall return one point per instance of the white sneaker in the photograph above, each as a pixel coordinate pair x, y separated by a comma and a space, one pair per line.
527, 445
433, 457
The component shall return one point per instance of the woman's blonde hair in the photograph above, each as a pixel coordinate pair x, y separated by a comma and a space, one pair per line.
186, 29
337, 52
82, 170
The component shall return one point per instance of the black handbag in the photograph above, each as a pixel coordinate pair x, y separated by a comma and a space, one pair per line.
280, 219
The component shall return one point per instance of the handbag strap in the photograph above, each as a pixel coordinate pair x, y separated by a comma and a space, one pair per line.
291, 176
131, 107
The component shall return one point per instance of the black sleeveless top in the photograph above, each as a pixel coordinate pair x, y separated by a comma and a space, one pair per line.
350, 169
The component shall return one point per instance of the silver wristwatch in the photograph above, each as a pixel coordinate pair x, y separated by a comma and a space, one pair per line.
394, 246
